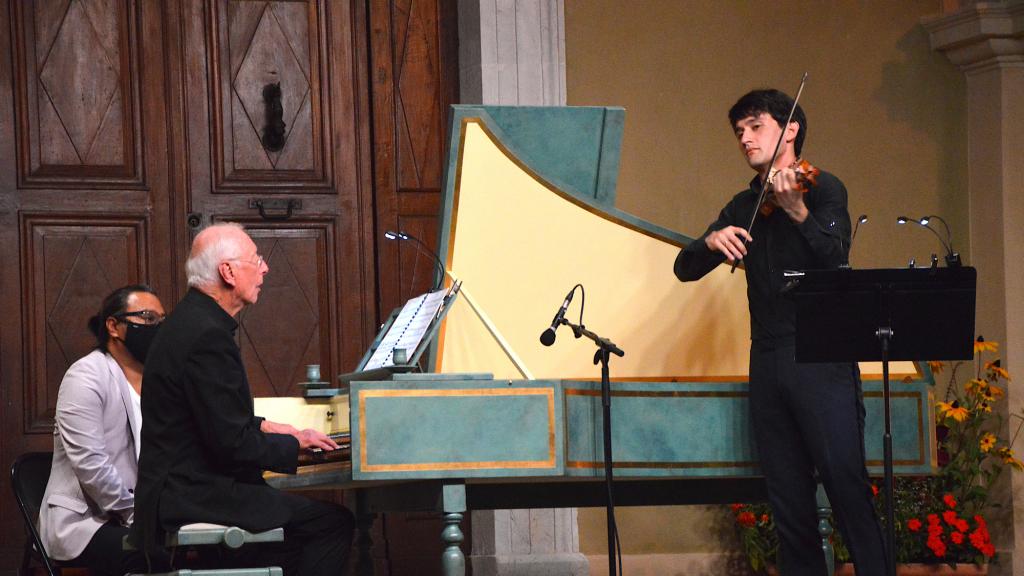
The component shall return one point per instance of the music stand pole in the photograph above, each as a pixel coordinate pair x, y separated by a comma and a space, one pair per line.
884, 335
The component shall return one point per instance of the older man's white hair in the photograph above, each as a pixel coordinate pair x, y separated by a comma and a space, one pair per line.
202, 268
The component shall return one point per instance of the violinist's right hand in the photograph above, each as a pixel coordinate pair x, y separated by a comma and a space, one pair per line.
729, 241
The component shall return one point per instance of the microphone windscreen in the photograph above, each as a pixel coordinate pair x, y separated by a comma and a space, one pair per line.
547, 337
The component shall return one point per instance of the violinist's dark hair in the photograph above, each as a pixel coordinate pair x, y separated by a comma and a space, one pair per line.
775, 103
115, 303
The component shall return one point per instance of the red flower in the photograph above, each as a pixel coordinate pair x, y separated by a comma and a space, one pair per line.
746, 519
961, 525
736, 507
937, 546
913, 524
764, 518
933, 519
874, 490
949, 500
957, 537
981, 540
950, 517
977, 539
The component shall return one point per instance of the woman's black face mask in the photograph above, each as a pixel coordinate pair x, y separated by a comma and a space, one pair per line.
139, 335
138, 338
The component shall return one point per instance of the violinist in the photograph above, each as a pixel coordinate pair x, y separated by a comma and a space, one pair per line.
805, 417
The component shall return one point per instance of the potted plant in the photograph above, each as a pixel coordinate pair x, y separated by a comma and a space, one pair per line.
941, 519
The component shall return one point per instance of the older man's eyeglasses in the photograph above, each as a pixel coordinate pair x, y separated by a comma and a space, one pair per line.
143, 317
258, 263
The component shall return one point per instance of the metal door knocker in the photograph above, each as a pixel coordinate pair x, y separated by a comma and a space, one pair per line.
273, 127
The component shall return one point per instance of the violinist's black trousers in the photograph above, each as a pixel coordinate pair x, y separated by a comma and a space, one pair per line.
809, 417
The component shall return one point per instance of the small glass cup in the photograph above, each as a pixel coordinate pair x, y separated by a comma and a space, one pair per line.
312, 372
399, 356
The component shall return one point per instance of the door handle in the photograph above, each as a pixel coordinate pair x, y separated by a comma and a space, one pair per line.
265, 205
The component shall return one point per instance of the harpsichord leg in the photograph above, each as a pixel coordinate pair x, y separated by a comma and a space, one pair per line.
453, 561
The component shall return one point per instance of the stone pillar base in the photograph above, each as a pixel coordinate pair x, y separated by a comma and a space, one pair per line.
565, 564
685, 564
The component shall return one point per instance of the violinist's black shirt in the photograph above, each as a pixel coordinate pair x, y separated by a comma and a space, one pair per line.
819, 242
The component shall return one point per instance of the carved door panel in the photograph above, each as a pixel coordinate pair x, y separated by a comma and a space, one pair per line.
276, 137
413, 51
126, 125
414, 72
84, 196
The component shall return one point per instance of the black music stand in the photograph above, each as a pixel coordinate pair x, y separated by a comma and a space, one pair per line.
849, 315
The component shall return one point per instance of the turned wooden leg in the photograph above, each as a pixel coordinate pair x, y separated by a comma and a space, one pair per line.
453, 561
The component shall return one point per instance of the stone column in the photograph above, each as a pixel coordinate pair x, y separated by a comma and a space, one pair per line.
512, 52
540, 542
986, 41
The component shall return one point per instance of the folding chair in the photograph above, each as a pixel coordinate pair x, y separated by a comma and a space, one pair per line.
29, 475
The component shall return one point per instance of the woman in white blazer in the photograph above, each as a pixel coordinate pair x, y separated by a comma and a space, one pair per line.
89, 501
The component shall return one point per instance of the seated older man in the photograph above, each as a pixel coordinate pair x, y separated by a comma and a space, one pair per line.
203, 449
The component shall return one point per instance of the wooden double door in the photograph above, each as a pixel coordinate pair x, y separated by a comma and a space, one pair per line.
127, 125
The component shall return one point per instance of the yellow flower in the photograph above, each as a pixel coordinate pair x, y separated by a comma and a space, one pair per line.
975, 386
988, 440
983, 346
936, 366
984, 407
1007, 455
992, 393
954, 411
996, 370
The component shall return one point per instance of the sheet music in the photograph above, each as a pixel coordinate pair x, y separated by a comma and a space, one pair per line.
408, 329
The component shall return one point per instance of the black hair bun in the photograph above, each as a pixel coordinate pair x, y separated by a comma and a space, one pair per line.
95, 326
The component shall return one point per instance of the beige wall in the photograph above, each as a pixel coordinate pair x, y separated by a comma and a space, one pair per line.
886, 114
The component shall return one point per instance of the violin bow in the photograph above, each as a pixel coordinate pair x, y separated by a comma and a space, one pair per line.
767, 180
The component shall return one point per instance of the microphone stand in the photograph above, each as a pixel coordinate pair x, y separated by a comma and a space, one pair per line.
605, 348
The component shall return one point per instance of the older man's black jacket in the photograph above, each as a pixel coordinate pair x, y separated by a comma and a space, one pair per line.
202, 449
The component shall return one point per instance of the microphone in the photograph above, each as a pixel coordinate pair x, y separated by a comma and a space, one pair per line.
547, 337
860, 220
952, 258
392, 235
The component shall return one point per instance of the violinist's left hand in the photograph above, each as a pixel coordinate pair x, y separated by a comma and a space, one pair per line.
789, 194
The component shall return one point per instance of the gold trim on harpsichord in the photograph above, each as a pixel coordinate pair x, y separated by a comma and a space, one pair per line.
363, 395
661, 393
728, 379
582, 464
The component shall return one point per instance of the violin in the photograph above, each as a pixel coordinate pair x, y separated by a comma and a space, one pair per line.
806, 176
